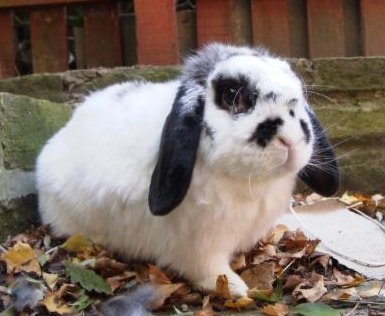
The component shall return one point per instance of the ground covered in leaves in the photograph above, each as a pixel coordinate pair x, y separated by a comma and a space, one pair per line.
41, 275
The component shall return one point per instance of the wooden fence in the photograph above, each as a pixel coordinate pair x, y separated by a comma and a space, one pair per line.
159, 34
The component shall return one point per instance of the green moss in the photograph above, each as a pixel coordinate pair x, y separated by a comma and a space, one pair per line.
26, 124
17, 215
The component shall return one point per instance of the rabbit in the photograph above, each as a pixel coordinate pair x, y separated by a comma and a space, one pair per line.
190, 171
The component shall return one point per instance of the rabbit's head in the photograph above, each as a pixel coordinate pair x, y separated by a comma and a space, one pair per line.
245, 114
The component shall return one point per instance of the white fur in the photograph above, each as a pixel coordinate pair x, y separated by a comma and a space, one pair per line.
93, 176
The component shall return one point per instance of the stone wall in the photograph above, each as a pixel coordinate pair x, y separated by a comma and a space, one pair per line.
347, 93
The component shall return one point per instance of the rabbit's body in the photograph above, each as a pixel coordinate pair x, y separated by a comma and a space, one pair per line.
96, 174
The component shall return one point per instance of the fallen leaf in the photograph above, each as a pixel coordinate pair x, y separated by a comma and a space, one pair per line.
292, 281
207, 309
117, 281
347, 280
157, 276
276, 234
54, 304
222, 286
239, 303
372, 289
21, 257
87, 279
312, 294
162, 293
108, 267
269, 296
278, 309
50, 279
76, 243
340, 294
238, 262
259, 276
315, 309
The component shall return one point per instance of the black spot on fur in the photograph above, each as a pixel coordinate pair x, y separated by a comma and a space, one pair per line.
292, 102
291, 112
306, 131
266, 131
270, 96
208, 130
235, 95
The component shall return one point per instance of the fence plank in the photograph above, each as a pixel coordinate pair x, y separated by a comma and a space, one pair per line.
7, 51
187, 35
271, 25
224, 21
326, 28
23, 3
156, 32
49, 39
102, 36
373, 22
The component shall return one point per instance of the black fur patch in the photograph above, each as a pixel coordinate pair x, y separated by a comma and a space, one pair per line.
306, 131
235, 95
266, 131
208, 130
292, 102
291, 112
270, 96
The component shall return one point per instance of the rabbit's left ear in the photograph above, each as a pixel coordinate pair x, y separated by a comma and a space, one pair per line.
178, 149
321, 174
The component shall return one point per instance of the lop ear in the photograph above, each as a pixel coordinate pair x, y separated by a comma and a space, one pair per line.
178, 149
321, 174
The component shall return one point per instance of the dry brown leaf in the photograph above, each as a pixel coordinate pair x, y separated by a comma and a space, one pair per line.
21, 257
54, 304
276, 234
347, 280
292, 281
162, 293
50, 279
238, 262
157, 276
312, 294
278, 309
117, 281
260, 276
222, 286
239, 303
76, 243
207, 309
373, 289
108, 267
340, 294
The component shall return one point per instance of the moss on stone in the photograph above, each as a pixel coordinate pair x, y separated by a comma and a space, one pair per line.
41, 86
16, 215
26, 124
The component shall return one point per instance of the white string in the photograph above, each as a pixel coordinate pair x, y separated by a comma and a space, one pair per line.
328, 247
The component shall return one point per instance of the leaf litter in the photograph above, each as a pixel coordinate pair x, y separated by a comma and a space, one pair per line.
41, 274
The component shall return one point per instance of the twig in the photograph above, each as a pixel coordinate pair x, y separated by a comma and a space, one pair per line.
353, 309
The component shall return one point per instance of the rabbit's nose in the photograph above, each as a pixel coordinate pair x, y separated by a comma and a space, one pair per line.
266, 131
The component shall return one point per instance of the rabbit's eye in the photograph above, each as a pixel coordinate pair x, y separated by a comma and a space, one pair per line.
230, 95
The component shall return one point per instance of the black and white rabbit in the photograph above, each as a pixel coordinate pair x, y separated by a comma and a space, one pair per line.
189, 171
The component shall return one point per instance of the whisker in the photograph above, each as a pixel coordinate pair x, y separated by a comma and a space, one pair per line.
321, 95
